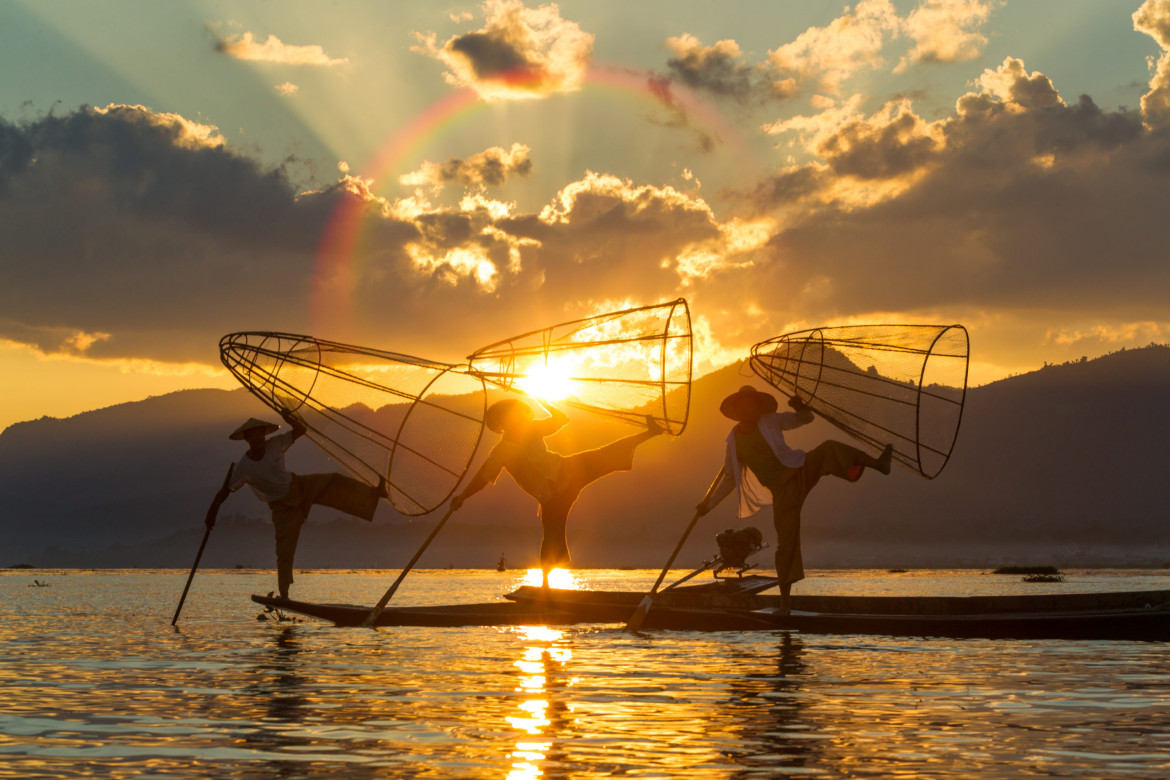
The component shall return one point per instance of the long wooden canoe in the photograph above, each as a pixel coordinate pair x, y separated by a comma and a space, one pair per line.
536, 606
1141, 615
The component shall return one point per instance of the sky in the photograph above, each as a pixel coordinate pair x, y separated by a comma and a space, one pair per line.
429, 178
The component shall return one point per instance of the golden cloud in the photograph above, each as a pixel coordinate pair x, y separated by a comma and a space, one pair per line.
245, 47
849, 43
1153, 19
944, 31
490, 167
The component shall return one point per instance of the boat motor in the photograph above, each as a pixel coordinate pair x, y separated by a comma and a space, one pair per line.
735, 545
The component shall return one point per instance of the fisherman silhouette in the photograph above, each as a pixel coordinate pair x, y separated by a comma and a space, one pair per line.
552, 479
290, 496
765, 471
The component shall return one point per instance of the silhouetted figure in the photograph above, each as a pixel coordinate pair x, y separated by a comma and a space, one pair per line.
290, 496
553, 480
765, 470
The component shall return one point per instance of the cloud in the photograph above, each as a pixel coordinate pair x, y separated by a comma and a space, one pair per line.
1153, 19
141, 226
718, 68
287, 88
830, 55
134, 235
824, 58
1018, 204
490, 167
519, 53
946, 31
893, 144
1119, 333
677, 113
245, 47
1011, 86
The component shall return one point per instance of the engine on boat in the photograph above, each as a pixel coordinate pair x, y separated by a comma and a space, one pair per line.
735, 545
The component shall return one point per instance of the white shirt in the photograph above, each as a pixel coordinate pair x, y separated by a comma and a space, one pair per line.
268, 477
752, 495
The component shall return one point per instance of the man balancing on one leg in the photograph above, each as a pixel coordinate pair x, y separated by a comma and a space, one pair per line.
758, 458
553, 480
290, 496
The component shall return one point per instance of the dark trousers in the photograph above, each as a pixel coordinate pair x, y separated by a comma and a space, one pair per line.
289, 513
830, 458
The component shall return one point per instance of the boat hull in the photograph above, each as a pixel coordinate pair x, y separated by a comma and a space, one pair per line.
1141, 615
1123, 624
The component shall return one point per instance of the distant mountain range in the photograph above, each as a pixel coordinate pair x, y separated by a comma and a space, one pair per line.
1065, 465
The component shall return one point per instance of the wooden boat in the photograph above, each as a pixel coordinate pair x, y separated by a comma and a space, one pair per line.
736, 605
1133, 615
710, 604
1140, 615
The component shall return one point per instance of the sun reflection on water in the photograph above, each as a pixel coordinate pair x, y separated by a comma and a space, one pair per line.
540, 664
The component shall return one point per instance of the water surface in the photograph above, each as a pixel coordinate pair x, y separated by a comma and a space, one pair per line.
94, 682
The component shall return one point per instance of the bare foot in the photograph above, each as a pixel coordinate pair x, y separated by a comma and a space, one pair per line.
652, 426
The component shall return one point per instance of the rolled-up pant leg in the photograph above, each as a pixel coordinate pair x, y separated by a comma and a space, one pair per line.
834, 458
830, 458
787, 501
287, 520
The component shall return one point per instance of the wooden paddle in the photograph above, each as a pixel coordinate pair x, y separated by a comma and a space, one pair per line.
639, 616
381, 605
208, 521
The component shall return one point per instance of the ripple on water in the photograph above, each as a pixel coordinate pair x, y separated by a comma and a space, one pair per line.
94, 682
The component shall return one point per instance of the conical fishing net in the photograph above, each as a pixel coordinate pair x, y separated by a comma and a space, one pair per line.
884, 384
624, 364
414, 421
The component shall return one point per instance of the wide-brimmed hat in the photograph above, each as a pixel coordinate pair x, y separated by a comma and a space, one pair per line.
747, 402
495, 415
238, 433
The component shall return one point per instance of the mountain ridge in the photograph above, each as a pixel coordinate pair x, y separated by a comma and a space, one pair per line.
1064, 463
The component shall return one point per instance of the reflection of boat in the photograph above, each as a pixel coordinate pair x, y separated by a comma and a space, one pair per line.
735, 605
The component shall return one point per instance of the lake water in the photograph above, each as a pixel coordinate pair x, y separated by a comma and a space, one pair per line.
94, 682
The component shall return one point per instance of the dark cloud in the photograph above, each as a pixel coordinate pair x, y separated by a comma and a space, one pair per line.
864, 150
146, 227
127, 233
1020, 202
492, 56
519, 53
718, 69
131, 234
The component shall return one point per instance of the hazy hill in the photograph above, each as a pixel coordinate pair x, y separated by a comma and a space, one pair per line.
1063, 465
